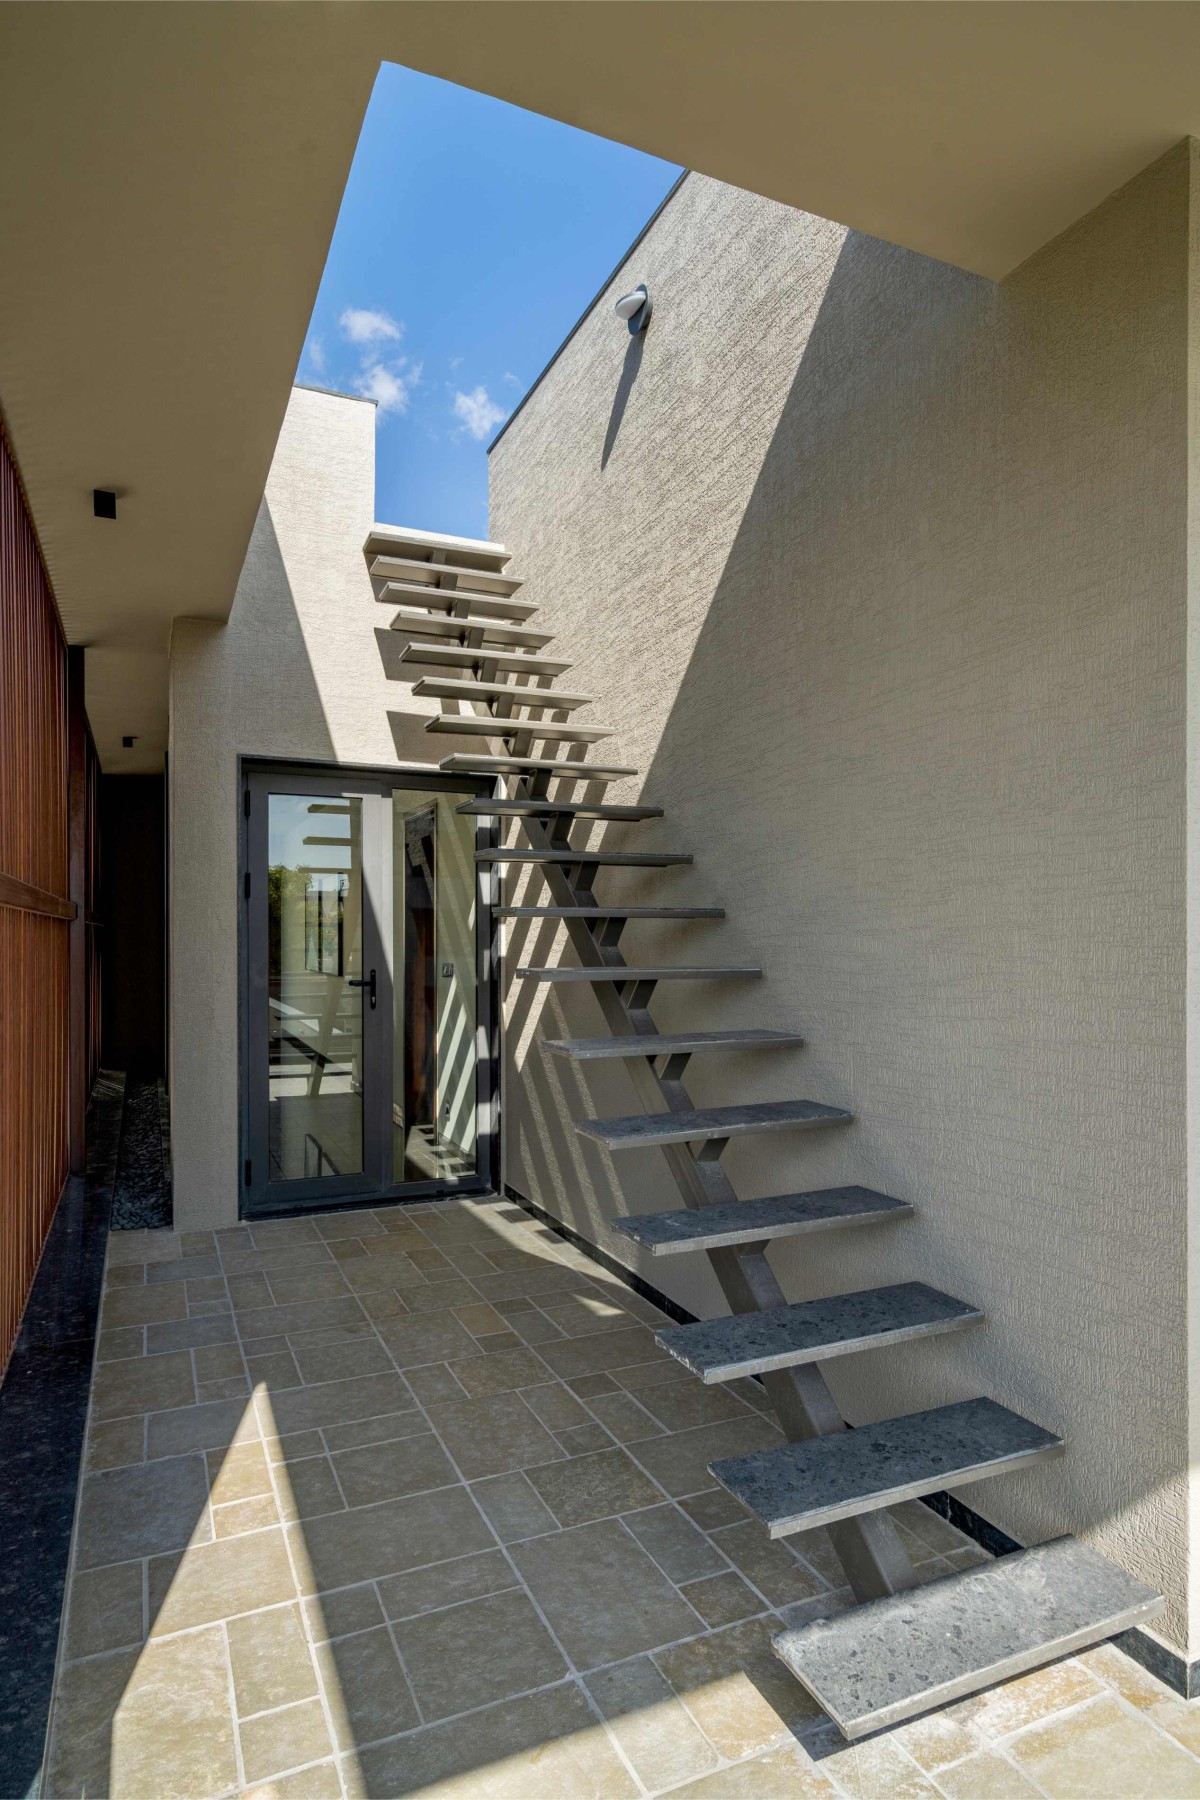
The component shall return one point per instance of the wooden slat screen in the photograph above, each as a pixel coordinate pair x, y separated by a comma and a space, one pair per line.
33, 947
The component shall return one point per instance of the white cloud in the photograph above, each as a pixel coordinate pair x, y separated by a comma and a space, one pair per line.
456, 363
362, 326
477, 412
316, 355
389, 385
514, 379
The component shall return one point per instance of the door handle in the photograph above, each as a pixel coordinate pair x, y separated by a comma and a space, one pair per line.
368, 983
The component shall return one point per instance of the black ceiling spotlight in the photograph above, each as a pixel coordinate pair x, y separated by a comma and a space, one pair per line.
104, 503
635, 308
127, 743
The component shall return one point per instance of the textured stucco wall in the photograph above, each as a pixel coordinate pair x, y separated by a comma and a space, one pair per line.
304, 669
881, 573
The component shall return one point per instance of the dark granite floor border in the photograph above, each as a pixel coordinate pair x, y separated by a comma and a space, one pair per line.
43, 1411
1157, 1657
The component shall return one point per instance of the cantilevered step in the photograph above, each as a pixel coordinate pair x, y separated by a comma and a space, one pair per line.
416, 572
623, 974
753, 1221
574, 809
467, 656
677, 1043
883, 1662
591, 859
796, 1487
490, 631
466, 762
753, 1343
472, 725
616, 911
447, 600
445, 687
643, 1129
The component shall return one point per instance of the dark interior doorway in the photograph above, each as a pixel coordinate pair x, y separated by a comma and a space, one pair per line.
132, 912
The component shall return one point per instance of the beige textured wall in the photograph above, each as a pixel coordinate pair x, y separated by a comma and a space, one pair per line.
304, 669
881, 572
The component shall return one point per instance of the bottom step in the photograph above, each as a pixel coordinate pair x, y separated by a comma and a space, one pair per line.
887, 1660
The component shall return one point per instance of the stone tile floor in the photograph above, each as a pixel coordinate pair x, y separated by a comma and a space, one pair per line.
409, 1502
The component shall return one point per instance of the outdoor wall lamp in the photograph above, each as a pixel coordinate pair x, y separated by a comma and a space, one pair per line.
635, 308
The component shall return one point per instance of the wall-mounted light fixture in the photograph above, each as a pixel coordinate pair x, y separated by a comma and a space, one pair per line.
104, 503
635, 308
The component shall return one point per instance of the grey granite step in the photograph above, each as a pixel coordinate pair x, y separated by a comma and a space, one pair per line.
592, 859
420, 572
420, 624
757, 1221
676, 1043
752, 1343
446, 600
616, 911
466, 762
472, 725
466, 656
574, 809
885, 1661
622, 973
640, 1130
796, 1487
447, 687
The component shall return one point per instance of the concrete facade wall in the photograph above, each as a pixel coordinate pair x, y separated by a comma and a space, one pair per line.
881, 572
305, 669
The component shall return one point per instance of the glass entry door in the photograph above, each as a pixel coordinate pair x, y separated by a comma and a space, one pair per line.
367, 1066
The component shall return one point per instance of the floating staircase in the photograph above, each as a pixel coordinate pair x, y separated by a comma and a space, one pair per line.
906, 1647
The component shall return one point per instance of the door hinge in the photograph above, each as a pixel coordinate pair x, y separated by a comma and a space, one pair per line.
246, 884
246, 1172
246, 801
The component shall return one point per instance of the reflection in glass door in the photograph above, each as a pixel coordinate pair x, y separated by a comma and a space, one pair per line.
368, 1065
434, 995
314, 986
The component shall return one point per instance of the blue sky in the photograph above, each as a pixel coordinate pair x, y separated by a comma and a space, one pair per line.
471, 237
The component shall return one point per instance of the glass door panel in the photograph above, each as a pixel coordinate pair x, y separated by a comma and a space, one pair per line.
368, 1022
315, 986
434, 989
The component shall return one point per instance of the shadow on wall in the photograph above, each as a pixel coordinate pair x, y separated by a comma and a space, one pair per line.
919, 746
629, 374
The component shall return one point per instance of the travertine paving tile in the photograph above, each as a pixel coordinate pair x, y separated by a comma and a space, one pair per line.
384, 1471
723, 1599
653, 1728
513, 1507
278, 1741
443, 1584
272, 1664
492, 1435
142, 1511
172, 1730
985, 1777
679, 1549
784, 1774
1105, 1752
499, 1371
475, 1653
593, 1487
370, 1542
369, 1697
105, 1610
145, 1385
603, 1596
218, 1581
739, 1695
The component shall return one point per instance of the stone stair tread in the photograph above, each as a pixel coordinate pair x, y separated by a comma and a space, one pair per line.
756, 1221
641, 1129
471, 725
890, 1659
467, 762
622, 972
482, 605
797, 1487
447, 687
595, 859
448, 625
673, 1043
414, 568
785, 1336
468, 656
616, 911
575, 809
401, 540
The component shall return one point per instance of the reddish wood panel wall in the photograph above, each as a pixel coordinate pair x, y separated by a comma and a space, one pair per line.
33, 946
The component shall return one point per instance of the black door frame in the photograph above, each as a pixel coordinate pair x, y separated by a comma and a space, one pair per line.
259, 1197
